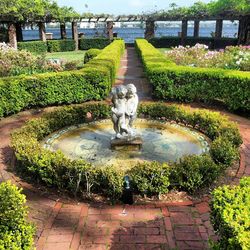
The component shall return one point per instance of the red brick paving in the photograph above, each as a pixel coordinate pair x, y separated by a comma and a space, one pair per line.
67, 225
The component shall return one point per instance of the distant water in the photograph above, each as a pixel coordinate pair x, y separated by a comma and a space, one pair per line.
130, 34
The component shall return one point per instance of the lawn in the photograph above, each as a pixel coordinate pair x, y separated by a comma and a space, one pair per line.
67, 56
162, 50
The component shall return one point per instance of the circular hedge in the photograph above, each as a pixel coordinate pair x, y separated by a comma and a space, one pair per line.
150, 178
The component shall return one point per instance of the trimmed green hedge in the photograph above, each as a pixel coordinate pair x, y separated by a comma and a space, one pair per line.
77, 176
231, 215
93, 82
213, 43
61, 45
183, 83
38, 47
93, 43
15, 232
90, 54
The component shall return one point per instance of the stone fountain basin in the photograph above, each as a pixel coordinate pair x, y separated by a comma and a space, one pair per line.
162, 142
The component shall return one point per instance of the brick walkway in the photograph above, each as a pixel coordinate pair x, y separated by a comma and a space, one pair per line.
65, 224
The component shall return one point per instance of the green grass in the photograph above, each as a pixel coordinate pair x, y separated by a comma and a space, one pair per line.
162, 50
67, 56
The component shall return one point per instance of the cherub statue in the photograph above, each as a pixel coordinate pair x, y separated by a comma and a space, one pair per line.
119, 110
132, 104
125, 102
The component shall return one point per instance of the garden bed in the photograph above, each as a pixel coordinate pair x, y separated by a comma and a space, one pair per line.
92, 82
185, 83
150, 178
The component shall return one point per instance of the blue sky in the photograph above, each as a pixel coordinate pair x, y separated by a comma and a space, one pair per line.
122, 6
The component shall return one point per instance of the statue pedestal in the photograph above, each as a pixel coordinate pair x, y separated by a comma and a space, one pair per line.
134, 143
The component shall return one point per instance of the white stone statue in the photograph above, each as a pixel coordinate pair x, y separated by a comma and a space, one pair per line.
125, 102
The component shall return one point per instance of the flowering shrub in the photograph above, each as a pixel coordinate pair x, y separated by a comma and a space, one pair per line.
233, 57
14, 62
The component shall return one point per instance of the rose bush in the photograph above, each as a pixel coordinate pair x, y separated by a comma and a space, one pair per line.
233, 57
14, 62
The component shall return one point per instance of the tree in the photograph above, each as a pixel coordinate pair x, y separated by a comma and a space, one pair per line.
234, 8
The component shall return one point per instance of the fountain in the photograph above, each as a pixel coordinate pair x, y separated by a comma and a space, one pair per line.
135, 140
124, 111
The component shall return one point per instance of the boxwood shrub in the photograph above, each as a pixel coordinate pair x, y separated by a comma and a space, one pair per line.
15, 231
231, 215
61, 45
77, 176
212, 42
183, 83
93, 82
38, 47
93, 43
90, 54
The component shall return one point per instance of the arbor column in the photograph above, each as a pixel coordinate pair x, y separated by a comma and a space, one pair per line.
12, 35
244, 31
150, 29
218, 28
75, 33
184, 27
63, 31
42, 32
19, 32
196, 28
109, 31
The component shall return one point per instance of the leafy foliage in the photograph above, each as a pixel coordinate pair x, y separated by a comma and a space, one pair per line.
231, 215
200, 9
211, 42
194, 172
183, 83
54, 169
93, 82
15, 231
37, 47
150, 178
61, 45
90, 54
22, 10
13, 62
93, 43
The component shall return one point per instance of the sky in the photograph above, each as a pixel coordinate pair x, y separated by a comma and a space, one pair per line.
118, 7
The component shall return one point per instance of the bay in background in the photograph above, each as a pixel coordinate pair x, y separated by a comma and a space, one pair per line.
130, 34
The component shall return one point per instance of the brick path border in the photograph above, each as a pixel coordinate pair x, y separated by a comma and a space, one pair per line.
65, 224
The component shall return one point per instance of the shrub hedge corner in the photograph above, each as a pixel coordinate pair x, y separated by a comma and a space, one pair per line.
37, 47
15, 231
231, 215
61, 45
92, 82
93, 43
90, 54
184, 83
77, 176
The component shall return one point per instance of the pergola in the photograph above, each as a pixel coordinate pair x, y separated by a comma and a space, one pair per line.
15, 30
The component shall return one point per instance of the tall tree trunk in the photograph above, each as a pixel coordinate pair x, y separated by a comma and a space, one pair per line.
75, 34
19, 32
109, 27
42, 31
218, 28
244, 30
150, 29
63, 31
12, 35
196, 28
184, 27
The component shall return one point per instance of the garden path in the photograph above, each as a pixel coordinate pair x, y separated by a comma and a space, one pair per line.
64, 224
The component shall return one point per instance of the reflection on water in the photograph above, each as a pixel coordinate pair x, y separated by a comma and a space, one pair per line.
163, 142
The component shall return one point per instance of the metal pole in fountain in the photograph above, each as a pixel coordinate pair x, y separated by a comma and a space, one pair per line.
124, 112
